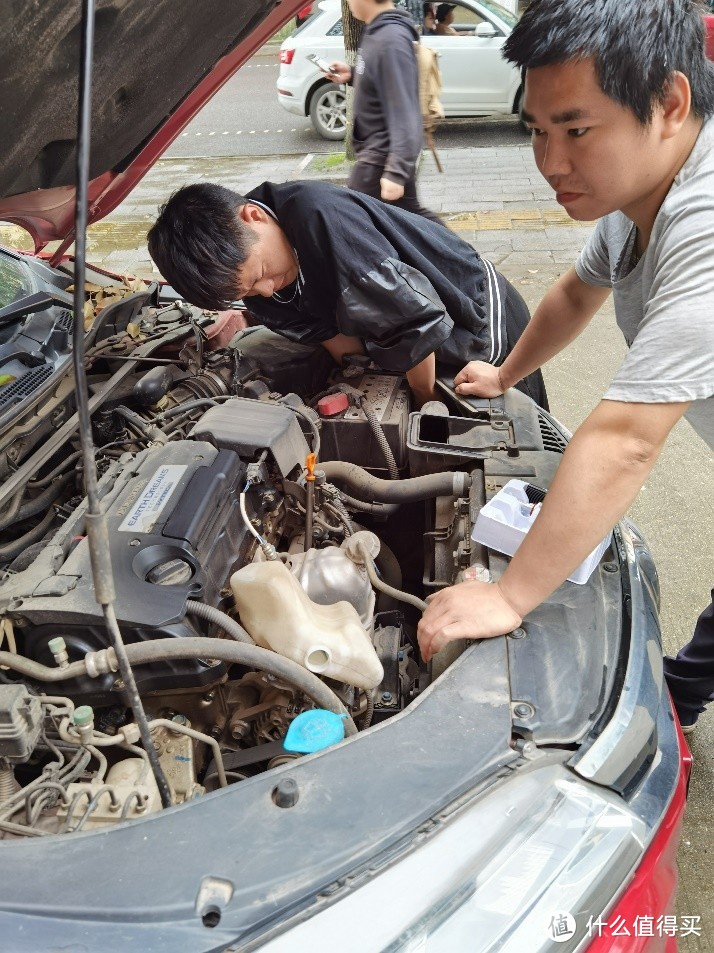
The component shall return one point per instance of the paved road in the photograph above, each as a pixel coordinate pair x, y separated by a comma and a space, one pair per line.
244, 119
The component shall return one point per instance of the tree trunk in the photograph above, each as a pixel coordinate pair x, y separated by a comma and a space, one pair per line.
352, 31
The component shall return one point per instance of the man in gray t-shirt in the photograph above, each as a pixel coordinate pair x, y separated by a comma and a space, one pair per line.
620, 104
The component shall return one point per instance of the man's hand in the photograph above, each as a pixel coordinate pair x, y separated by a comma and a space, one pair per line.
480, 379
340, 72
391, 191
471, 610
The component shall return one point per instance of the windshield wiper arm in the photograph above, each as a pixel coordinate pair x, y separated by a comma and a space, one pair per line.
33, 303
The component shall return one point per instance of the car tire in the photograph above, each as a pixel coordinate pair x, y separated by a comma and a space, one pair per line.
328, 111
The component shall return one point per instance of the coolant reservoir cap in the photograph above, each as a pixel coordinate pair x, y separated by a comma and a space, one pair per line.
333, 404
314, 730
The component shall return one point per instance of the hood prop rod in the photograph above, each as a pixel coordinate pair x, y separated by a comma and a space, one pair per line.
97, 532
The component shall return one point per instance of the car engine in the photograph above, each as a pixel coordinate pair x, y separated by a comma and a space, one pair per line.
274, 524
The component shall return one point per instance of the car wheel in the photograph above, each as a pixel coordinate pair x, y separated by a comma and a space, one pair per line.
328, 111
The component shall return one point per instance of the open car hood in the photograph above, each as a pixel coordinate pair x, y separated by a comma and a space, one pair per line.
155, 65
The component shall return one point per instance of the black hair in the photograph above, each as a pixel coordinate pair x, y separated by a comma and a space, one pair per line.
198, 243
636, 47
443, 10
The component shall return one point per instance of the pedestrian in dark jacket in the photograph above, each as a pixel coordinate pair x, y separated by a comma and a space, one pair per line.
387, 132
319, 263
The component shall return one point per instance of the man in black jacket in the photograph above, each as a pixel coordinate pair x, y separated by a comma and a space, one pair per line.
319, 263
387, 133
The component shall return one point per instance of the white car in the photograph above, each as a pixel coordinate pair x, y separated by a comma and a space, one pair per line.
477, 81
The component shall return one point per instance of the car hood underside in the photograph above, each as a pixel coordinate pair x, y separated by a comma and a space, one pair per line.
155, 65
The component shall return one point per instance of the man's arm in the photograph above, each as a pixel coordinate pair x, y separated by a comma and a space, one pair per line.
563, 314
421, 377
342, 344
422, 380
602, 470
397, 72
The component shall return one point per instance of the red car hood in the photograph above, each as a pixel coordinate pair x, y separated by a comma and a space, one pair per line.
155, 65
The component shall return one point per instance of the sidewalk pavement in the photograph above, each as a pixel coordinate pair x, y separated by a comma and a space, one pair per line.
496, 200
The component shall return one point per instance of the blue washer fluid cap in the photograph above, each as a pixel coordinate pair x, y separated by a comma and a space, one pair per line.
314, 730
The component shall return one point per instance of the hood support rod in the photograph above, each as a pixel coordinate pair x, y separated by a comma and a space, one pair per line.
97, 533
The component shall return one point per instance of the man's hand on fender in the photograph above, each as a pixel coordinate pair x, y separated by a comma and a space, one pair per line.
480, 380
391, 191
470, 610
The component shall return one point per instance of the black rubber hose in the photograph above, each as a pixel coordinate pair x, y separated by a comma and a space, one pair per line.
368, 487
60, 468
13, 507
379, 435
12, 550
373, 509
39, 504
220, 619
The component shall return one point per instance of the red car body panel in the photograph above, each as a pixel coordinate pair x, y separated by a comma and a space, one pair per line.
652, 890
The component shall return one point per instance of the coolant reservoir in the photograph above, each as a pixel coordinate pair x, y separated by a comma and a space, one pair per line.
328, 640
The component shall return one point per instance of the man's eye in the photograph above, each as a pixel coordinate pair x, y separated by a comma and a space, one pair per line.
536, 131
577, 133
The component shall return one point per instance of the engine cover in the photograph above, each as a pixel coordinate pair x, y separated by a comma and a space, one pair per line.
175, 532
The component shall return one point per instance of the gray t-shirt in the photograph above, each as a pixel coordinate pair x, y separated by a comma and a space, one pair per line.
664, 305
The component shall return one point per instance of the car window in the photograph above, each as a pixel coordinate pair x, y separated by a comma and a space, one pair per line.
504, 15
336, 29
13, 281
465, 17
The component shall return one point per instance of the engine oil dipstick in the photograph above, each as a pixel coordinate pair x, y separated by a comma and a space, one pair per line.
310, 498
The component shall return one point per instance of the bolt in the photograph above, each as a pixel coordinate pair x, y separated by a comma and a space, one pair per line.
386, 696
526, 748
135, 542
239, 730
523, 710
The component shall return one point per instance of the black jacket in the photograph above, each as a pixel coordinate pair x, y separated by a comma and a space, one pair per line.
405, 285
387, 129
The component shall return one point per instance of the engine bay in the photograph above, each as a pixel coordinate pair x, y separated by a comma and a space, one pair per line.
274, 525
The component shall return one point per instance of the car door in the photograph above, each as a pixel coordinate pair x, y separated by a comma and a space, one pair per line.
476, 79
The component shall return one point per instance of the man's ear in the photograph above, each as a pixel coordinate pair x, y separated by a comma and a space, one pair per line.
677, 105
252, 214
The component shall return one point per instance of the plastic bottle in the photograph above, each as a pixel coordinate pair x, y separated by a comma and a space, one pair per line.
326, 639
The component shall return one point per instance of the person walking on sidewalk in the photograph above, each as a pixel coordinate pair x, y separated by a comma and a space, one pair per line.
387, 132
320, 263
620, 104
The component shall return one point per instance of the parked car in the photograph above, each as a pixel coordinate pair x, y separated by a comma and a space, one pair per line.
477, 81
504, 796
